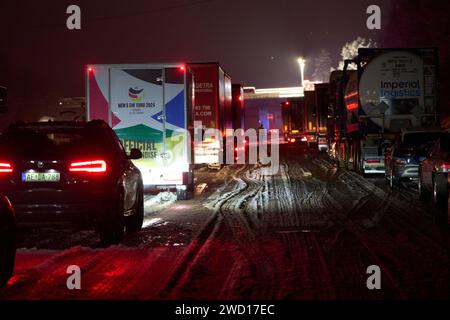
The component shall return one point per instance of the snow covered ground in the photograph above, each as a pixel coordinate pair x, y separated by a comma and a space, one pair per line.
308, 232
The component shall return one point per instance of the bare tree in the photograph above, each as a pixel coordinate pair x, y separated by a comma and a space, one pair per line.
350, 50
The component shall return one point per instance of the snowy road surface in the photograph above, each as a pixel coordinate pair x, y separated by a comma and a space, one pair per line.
308, 232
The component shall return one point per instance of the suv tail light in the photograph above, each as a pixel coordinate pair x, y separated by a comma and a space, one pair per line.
6, 167
95, 166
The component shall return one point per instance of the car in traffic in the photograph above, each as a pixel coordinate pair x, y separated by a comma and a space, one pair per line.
311, 139
297, 139
434, 170
72, 172
374, 148
7, 240
410, 147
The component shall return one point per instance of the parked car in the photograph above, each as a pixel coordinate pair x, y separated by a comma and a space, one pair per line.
402, 159
72, 171
7, 240
433, 172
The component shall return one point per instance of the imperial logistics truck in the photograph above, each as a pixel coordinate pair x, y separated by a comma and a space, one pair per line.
149, 107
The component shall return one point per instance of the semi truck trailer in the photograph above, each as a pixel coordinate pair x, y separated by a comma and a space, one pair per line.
149, 107
212, 109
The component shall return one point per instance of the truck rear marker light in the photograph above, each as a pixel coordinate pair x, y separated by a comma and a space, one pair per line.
6, 167
95, 166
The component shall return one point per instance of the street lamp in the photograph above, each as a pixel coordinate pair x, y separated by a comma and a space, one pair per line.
301, 63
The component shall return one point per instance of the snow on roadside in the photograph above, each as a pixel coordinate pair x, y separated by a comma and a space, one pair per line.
158, 202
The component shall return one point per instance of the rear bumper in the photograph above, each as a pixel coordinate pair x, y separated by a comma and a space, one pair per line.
58, 213
47, 206
323, 147
373, 168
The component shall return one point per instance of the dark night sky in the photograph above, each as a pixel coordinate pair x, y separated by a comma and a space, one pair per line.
41, 61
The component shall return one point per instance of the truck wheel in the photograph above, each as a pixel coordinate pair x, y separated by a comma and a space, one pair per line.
134, 222
112, 228
440, 190
423, 192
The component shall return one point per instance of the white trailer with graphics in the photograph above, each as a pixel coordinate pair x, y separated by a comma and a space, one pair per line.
149, 107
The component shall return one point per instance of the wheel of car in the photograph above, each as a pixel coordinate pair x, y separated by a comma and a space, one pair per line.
7, 255
440, 190
134, 222
423, 192
112, 228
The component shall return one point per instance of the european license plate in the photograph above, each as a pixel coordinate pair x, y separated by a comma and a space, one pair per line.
41, 176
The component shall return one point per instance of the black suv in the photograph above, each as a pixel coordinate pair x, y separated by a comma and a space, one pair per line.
72, 171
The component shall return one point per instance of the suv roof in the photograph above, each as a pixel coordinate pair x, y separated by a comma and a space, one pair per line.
57, 124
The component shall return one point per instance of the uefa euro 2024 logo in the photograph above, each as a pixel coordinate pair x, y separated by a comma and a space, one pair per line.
135, 94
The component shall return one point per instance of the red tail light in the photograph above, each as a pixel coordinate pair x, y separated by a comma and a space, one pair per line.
6, 167
373, 161
95, 166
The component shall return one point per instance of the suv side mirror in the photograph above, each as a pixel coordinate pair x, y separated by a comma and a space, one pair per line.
135, 154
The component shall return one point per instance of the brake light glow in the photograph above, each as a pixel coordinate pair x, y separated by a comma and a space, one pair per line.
445, 166
6, 167
96, 166
293, 140
304, 139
